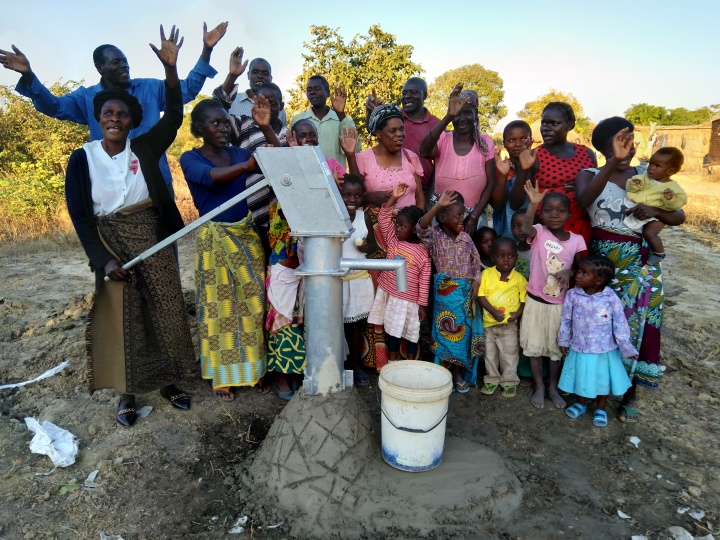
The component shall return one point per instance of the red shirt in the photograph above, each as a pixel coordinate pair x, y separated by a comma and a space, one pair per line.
415, 132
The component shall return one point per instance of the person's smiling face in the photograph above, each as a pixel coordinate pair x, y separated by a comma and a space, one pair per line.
114, 69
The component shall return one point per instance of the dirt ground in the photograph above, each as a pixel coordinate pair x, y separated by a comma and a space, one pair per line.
184, 474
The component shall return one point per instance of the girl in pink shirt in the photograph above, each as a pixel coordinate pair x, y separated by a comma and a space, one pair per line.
553, 252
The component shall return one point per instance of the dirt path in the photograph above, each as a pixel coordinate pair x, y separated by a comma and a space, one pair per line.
183, 475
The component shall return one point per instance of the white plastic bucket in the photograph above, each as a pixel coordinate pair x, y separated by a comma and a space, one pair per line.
414, 409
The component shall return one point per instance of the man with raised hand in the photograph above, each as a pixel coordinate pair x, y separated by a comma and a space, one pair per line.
112, 65
242, 102
329, 122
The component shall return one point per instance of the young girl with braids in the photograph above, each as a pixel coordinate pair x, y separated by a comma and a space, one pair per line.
555, 164
401, 312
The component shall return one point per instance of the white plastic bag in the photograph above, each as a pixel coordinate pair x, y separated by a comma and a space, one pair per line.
58, 444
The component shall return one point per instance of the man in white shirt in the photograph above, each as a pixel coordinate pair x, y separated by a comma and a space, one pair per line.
259, 73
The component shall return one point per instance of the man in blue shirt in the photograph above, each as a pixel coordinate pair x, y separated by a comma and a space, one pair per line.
112, 65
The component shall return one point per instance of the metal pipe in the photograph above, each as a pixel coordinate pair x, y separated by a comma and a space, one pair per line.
324, 371
398, 265
194, 225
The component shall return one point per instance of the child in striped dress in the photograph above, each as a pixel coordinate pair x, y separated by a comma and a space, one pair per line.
400, 313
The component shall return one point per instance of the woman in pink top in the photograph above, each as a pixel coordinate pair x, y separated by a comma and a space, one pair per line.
386, 165
464, 159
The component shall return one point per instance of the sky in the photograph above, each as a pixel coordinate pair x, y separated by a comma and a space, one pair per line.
609, 54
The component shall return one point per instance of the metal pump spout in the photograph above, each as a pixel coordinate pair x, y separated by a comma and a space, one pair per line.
398, 265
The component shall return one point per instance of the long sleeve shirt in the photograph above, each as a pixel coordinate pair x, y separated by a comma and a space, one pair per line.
77, 106
418, 263
148, 148
594, 323
329, 128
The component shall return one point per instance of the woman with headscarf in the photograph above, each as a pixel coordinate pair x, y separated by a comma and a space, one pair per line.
138, 338
385, 166
464, 158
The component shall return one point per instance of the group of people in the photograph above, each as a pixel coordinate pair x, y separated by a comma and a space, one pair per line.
570, 265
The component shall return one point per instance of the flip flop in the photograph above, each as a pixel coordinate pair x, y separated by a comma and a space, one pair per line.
600, 418
462, 387
625, 412
509, 392
575, 411
361, 379
489, 389
285, 395
223, 394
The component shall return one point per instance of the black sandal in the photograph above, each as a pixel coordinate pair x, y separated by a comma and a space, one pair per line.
126, 416
178, 398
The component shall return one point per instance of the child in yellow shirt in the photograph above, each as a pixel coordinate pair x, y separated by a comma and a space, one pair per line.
502, 296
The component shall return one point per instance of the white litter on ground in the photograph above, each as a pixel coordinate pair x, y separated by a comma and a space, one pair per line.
142, 412
49, 373
238, 526
58, 444
104, 536
623, 515
697, 514
635, 440
89, 483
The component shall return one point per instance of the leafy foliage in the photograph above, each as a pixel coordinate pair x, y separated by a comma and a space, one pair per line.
374, 60
34, 151
185, 140
643, 114
485, 82
533, 109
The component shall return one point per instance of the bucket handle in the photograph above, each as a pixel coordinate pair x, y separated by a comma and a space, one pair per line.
412, 430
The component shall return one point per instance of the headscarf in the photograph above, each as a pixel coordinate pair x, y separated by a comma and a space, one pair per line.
381, 114
474, 100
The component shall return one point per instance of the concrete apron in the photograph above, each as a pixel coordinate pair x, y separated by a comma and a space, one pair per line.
321, 464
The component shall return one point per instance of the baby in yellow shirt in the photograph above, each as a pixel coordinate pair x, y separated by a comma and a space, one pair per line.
655, 188
502, 296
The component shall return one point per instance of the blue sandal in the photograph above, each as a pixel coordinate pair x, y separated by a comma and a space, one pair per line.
575, 411
600, 418
361, 379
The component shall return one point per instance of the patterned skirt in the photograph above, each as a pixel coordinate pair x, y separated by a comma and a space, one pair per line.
230, 295
457, 331
286, 342
639, 287
137, 335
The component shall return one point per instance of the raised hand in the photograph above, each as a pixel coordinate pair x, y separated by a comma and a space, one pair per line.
455, 104
622, 143
372, 102
211, 38
527, 159
169, 47
348, 140
290, 137
534, 193
399, 190
447, 198
338, 99
261, 112
15, 60
237, 66
502, 165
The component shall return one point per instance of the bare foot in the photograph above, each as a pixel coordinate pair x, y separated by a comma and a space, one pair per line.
557, 400
538, 398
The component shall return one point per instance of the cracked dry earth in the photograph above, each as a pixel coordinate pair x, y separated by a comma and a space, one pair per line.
191, 475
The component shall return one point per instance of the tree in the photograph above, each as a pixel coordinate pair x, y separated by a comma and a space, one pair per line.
485, 82
34, 151
374, 60
643, 114
533, 109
